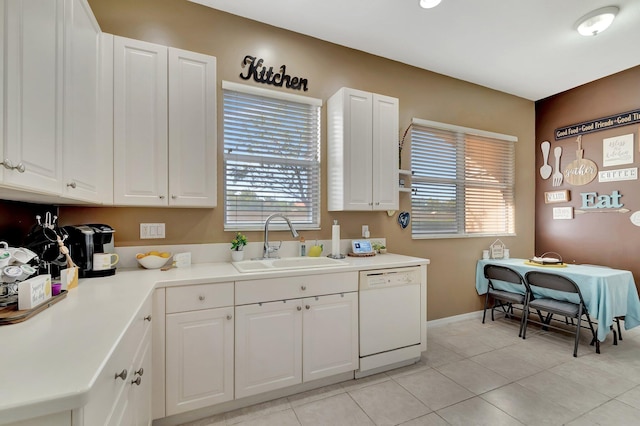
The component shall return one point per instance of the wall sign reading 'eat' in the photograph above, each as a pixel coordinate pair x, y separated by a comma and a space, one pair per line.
591, 200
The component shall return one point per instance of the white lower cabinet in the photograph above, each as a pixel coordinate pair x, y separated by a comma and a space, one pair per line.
283, 343
226, 341
122, 392
199, 346
268, 346
330, 335
199, 359
133, 407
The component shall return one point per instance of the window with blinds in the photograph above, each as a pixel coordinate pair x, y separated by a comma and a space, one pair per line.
463, 181
271, 157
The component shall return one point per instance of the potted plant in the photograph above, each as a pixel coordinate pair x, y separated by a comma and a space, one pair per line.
379, 247
237, 247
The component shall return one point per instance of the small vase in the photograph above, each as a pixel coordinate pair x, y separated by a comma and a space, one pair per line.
237, 255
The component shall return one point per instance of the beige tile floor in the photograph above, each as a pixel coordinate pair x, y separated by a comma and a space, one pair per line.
476, 374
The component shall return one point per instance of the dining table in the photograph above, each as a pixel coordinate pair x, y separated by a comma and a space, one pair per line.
608, 293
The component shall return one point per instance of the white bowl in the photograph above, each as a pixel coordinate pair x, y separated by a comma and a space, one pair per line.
151, 261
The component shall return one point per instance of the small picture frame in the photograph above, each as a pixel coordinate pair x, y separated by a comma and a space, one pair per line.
551, 197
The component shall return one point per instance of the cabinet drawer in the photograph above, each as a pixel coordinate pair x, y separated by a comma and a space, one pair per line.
269, 289
196, 297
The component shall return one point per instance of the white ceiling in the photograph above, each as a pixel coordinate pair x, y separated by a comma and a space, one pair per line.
527, 48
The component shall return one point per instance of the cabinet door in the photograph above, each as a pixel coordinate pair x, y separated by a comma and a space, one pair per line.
268, 346
141, 393
140, 123
385, 153
199, 359
192, 129
80, 148
349, 150
330, 335
34, 43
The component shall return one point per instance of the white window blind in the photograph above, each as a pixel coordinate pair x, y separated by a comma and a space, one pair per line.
463, 181
271, 157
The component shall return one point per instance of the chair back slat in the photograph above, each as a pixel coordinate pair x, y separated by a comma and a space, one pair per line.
551, 281
502, 273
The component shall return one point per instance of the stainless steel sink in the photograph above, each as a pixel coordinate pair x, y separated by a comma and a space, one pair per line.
261, 265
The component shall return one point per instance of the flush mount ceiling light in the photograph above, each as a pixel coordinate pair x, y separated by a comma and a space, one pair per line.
428, 4
597, 21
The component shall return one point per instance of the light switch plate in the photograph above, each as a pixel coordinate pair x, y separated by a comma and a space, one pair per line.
152, 231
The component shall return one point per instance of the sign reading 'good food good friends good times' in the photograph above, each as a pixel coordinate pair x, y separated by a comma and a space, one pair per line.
610, 122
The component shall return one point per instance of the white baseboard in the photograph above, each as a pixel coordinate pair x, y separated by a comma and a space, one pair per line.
456, 318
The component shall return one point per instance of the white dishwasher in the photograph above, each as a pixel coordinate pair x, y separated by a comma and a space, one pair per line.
390, 319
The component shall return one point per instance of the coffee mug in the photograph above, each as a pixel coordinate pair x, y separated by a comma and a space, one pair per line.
104, 261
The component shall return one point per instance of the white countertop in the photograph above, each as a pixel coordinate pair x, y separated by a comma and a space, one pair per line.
49, 362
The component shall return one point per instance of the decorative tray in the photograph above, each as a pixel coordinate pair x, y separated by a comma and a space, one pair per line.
11, 314
373, 253
552, 265
547, 258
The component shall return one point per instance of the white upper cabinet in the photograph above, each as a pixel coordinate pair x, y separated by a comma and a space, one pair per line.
362, 151
192, 129
82, 153
164, 126
32, 154
140, 123
51, 77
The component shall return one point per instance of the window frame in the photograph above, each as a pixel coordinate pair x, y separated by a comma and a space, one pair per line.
315, 210
462, 134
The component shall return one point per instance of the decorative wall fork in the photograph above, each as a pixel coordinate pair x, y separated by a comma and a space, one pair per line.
557, 176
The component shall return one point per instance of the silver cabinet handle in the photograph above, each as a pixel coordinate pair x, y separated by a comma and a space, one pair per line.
140, 372
122, 375
299, 308
137, 381
9, 165
72, 185
378, 203
162, 197
174, 197
308, 307
147, 318
303, 287
229, 317
201, 298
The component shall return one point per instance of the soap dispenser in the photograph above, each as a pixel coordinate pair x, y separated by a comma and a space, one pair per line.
303, 247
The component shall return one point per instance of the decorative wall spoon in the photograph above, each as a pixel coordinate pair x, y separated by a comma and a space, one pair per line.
545, 170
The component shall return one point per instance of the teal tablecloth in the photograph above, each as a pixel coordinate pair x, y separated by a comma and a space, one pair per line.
608, 293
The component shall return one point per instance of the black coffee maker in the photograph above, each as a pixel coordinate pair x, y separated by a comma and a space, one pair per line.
84, 241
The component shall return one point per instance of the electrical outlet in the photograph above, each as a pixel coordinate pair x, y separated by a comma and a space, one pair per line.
152, 231
365, 231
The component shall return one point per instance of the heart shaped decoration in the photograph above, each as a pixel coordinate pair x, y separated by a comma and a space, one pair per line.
403, 219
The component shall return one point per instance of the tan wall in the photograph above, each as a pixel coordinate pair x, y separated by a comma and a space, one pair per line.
328, 67
601, 238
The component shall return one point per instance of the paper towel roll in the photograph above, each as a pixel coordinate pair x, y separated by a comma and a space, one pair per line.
335, 240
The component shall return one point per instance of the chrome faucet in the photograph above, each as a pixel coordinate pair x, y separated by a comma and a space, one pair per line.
268, 249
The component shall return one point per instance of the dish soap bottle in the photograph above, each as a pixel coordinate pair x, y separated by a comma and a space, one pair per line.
303, 247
